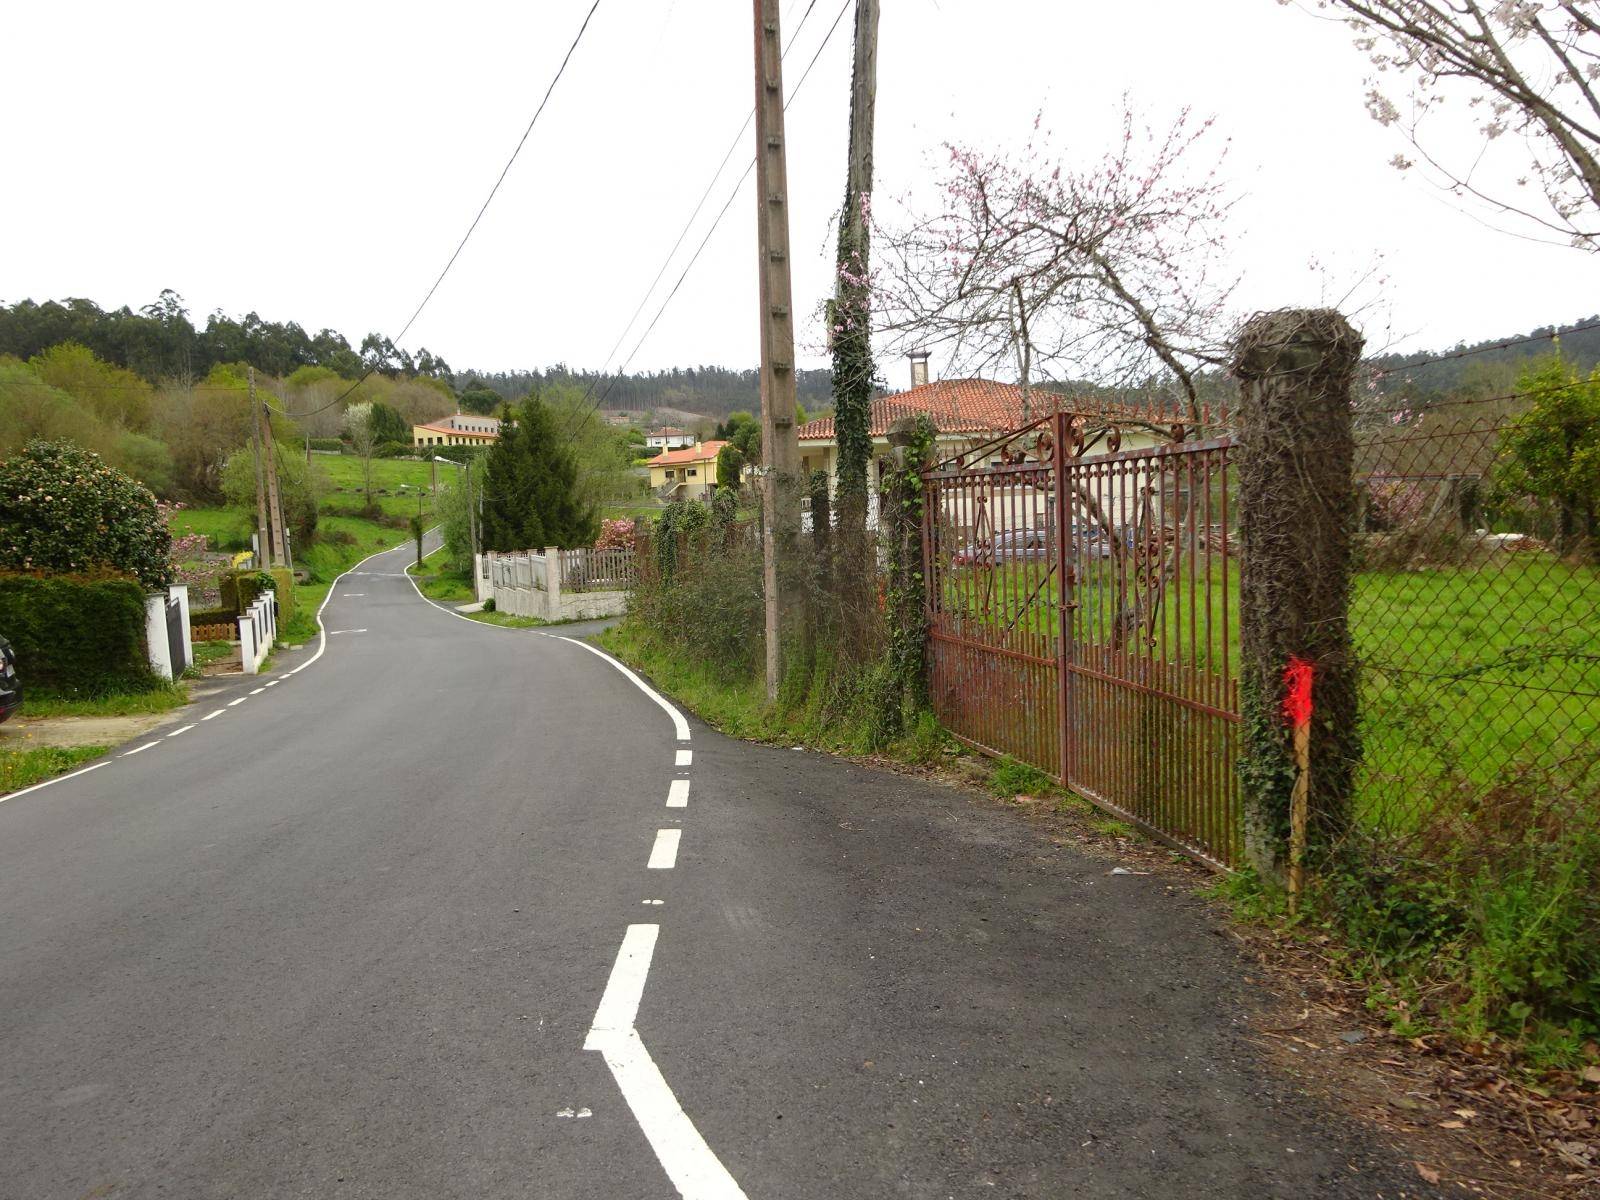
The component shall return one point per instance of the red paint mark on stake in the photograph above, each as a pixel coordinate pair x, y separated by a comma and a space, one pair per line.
1297, 692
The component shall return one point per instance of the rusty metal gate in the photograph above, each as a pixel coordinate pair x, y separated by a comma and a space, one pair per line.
1093, 636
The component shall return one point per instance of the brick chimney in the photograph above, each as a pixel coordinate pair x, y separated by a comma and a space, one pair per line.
919, 367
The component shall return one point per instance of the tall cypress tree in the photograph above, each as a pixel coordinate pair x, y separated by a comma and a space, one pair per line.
531, 486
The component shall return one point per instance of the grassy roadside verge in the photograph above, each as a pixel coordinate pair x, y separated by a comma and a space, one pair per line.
739, 707
24, 768
120, 704
438, 582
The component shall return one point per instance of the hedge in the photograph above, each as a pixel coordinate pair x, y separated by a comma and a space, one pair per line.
76, 635
327, 444
239, 589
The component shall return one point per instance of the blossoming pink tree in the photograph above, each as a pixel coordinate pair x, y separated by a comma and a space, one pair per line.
1110, 271
1524, 72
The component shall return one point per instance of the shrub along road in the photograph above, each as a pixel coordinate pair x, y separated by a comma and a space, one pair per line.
352, 936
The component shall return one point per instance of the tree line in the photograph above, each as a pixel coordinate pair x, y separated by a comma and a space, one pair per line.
160, 342
713, 391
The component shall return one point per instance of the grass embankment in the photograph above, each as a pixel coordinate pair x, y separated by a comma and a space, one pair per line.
438, 582
24, 768
814, 713
509, 621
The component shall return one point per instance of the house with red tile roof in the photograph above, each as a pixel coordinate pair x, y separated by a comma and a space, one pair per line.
688, 474
965, 412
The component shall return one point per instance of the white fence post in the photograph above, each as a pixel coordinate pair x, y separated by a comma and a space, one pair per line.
258, 632
553, 567
155, 634
247, 640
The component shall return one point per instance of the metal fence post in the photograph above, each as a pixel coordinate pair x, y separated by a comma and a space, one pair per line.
1060, 428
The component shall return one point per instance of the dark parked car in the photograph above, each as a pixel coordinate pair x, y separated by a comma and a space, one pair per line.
1031, 545
10, 686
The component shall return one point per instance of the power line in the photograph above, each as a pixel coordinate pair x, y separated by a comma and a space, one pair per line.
584, 415
1384, 372
699, 204
460, 246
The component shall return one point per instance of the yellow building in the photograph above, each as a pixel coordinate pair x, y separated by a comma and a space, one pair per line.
686, 474
462, 429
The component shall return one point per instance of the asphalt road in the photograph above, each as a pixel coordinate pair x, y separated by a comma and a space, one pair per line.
352, 936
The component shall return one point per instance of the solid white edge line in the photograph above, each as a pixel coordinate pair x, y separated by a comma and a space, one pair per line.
689, 1162
322, 630
57, 779
685, 758
664, 853
679, 725
678, 794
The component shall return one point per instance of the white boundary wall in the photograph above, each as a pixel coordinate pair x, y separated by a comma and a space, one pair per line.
258, 632
526, 584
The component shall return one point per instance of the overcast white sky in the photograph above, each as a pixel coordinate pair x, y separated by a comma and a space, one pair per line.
319, 161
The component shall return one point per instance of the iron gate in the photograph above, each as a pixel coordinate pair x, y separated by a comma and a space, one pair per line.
1093, 636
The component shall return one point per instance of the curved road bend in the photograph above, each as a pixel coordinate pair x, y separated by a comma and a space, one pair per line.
351, 937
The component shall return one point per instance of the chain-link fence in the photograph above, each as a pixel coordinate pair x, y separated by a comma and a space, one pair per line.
1475, 613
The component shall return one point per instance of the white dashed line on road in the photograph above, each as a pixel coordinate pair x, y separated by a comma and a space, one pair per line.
176, 732
664, 854
240, 700
258, 691
214, 713
137, 749
685, 757
678, 794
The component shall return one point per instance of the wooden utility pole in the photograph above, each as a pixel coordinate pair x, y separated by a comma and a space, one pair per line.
780, 448
263, 539
279, 554
863, 108
472, 524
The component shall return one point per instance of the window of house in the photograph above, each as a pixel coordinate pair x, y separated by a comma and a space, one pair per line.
692, 473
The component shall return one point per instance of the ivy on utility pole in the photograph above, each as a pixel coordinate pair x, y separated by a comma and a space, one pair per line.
850, 324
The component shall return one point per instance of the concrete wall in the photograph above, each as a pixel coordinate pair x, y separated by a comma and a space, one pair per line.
529, 585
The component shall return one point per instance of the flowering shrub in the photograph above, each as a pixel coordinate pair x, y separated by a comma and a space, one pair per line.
62, 509
615, 535
187, 554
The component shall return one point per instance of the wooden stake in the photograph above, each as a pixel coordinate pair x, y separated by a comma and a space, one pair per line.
1298, 806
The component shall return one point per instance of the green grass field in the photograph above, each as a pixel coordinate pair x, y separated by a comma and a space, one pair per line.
1472, 676
226, 529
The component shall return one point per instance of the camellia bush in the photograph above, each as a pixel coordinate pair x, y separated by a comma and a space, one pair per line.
62, 509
